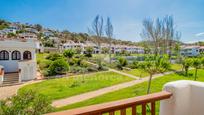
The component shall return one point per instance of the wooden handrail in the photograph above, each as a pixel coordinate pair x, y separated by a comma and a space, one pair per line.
121, 105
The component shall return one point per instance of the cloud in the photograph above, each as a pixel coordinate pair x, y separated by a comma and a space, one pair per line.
200, 34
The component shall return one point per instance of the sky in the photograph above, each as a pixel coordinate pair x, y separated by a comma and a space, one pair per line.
126, 15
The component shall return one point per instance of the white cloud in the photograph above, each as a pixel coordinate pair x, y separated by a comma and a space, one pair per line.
200, 34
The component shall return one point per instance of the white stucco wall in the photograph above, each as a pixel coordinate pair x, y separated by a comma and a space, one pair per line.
10, 46
187, 98
28, 70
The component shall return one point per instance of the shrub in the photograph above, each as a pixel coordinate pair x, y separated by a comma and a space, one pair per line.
59, 66
78, 50
196, 64
134, 65
121, 63
69, 53
44, 64
186, 64
89, 51
54, 56
25, 103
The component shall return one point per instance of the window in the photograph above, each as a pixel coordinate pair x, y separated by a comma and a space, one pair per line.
16, 55
4, 55
27, 55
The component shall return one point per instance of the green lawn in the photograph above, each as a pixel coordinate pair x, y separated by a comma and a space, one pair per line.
41, 56
141, 73
176, 66
137, 90
137, 72
66, 87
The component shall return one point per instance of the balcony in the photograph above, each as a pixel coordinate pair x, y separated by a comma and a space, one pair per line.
178, 98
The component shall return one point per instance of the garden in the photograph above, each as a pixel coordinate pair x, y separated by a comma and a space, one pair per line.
70, 86
136, 90
69, 62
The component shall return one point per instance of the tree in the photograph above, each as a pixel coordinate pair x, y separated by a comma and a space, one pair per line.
38, 27
109, 33
161, 33
78, 50
186, 65
196, 64
97, 30
59, 66
11, 35
25, 103
89, 51
154, 66
105, 50
69, 53
152, 33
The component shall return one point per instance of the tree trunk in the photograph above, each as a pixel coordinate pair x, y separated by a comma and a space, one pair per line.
149, 84
196, 71
110, 53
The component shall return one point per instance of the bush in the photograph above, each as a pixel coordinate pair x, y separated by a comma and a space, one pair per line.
186, 64
59, 66
121, 63
134, 65
89, 51
69, 53
25, 103
44, 64
54, 56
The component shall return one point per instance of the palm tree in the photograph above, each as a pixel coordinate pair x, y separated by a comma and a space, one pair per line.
196, 64
186, 64
152, 67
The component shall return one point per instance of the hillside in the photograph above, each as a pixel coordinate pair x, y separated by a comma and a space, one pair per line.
43, 34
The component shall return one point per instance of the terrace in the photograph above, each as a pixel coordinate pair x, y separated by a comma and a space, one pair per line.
178, 98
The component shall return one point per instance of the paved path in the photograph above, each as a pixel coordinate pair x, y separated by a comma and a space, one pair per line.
116, 71
9, 91
92, 94
123, 73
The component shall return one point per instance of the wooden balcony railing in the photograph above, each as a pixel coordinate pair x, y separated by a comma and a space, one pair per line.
121, 105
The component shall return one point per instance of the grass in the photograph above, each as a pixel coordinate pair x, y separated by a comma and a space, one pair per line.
176, 66
41, 56
137, 72
70, 86
141, 73
136, 90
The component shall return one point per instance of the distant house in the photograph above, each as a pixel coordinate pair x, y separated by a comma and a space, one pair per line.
201, 49
190, 50
31, 30
47, 33
32, 37
18, 59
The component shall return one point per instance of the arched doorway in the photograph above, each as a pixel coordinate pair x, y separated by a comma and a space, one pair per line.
27, 55
4, 55
16, 55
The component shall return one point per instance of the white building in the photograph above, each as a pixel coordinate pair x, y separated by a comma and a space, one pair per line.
17, 57
190, 50
32, 37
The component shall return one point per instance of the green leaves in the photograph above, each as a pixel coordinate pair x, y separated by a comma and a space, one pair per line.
69, 53
25, 103
59, 66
